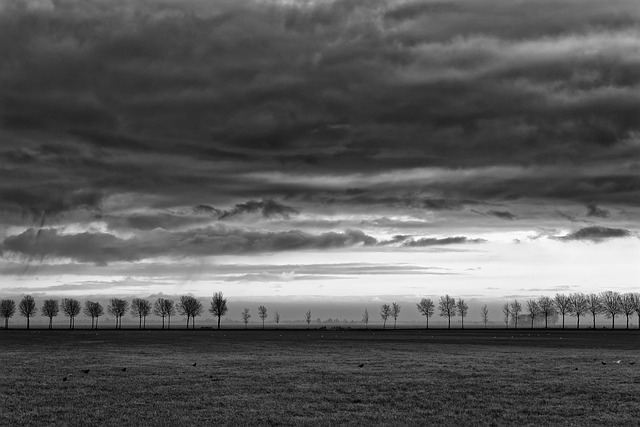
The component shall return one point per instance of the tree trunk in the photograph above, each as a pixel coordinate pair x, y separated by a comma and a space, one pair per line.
384, 323
449, 325
145, 322
169, 322
140, 322
532, 319
28, 322
594, 320
50, 322
461, 322
188, 318
262, 323
97, 317
193, 322
394, 322
578, 324
163, 323
613, 321
562, 320
546, 321
70, 319
219, 322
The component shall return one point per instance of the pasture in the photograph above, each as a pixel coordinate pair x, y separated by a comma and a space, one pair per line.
300, 377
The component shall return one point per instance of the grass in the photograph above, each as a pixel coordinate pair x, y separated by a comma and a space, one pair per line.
298, 377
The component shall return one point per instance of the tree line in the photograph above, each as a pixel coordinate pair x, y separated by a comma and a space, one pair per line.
578, 305
165, 308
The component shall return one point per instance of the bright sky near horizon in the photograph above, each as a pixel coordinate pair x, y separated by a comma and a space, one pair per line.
319, 150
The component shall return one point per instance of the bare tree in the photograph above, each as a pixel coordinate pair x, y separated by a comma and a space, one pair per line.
447, 307
533, 309
594, 306
71, 308
276, 318
627, 305
27, 308
579, 306
385, 312
170, 310
245, 317
93, 310
7, 310
141, 308
159, 309
506, 310
395, 312
516, 308
462, 309
307, 318
50, 308
262, 313
365, 318
547, 308
218, 306
611, 305
485, 315
118, 307
426, 307
563, 303
190, 306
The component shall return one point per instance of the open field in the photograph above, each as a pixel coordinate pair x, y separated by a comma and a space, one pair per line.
313, 377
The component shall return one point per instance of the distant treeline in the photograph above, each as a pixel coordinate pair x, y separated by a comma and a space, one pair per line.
531, 312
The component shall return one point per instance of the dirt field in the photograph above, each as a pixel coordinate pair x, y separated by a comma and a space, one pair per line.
503, 377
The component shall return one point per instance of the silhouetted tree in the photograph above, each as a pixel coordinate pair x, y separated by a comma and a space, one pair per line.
93, 310
190, 307
611, 305
547, 308
506, 310
485, 315
160, 310
563, 304
426, 307
516, 308
170, 310
395, 312
276, 318
447, 307
50, 308
627, 305
385, 312
7, 310
594, 306
365, 318
218, 306
307, 318
462, 309
140, 308
579, 306
245, 317
118, 307
71, 308
262, 313
27, 308
533, 309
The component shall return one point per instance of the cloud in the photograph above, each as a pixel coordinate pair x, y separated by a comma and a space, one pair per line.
595, 234
103, 248
503, 215
594, 210
265, 208
432, 241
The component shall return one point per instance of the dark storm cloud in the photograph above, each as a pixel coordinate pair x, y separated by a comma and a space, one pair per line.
143, 90
596, 234
103, 248
502, 215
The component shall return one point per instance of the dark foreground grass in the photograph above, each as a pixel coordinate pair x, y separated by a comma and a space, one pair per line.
313, 377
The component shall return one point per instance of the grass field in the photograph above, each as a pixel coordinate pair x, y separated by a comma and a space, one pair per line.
409, 377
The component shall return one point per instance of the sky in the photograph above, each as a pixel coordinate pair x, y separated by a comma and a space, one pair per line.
327, 152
